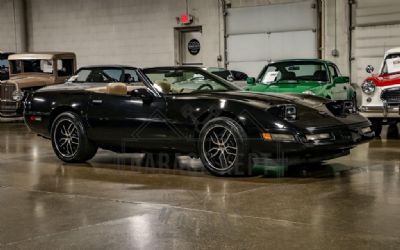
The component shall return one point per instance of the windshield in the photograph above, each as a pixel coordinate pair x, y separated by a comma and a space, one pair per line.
294, 72
186, 80
3, 66
98, 75
391, 64
32, 66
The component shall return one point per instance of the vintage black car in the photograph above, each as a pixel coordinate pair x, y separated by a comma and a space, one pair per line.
191, 111
4, 65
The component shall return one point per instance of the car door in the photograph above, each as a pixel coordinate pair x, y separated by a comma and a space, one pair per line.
129, 121
339, 91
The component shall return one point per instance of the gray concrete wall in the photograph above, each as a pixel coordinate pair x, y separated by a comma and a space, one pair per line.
12, 26
133, 32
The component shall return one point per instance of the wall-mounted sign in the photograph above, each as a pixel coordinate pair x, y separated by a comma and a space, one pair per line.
194, 47
185, 19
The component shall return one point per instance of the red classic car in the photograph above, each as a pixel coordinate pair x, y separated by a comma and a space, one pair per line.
381, 92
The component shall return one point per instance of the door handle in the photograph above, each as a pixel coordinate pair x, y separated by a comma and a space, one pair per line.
344, 87
96, 101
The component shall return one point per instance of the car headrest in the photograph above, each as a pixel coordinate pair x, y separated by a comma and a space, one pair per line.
164, 85
117, 88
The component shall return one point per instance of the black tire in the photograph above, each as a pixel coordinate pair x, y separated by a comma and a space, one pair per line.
69, 140
215, 138
354, 101
376, 126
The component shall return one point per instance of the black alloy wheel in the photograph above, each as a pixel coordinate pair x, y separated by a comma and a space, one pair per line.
223, 147
69, 140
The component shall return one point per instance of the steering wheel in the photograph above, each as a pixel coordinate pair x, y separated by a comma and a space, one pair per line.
205, 85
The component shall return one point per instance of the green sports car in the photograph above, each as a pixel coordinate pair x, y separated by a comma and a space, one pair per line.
308, 76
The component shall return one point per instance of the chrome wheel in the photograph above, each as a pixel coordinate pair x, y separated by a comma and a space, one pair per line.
220, 148
66, 138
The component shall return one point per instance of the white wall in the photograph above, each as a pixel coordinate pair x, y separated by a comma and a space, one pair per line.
12, 35
338, 40
133, 32
140, 32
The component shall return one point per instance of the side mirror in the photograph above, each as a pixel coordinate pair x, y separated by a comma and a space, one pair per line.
251, 80
144, 94
369, 69
341, 79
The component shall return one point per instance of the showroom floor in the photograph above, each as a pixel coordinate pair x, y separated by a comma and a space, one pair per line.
352, 202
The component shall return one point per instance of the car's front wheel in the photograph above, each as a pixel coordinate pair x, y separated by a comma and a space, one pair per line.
69, 140
376, 126
223, 148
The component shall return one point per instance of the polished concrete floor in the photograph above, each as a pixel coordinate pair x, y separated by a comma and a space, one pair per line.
350, 203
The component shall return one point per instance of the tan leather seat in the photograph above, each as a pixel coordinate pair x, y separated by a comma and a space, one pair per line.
164, 85
117, 88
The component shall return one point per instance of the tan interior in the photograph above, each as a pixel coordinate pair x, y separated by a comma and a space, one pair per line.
117, 88
164, 85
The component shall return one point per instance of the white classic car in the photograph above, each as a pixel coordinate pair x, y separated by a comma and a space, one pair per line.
380, 100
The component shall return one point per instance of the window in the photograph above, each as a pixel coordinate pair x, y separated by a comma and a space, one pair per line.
3, 63
16, 67
97, 75
130, 76
3, 67
32, 66
179, 81
294, 72
65, 67
334, 71
385, 69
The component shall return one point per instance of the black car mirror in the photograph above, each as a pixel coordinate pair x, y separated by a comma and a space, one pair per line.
251, 80
369, 69
341, 79
144, 94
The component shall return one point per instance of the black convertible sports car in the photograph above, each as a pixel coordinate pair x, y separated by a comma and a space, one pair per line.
191, 111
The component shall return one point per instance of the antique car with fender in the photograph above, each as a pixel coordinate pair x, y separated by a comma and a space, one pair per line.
188, 110
4, 65
29, 72
380, 100
307, 76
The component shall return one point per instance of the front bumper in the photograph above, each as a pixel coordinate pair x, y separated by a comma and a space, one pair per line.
385, 111
343, 138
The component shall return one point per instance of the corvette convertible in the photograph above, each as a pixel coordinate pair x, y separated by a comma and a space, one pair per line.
187, 110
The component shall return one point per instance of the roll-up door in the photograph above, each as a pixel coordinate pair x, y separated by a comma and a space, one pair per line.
259, 34
376, 28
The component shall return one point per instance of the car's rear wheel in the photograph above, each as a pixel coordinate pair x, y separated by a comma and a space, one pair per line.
69, 139
223, 148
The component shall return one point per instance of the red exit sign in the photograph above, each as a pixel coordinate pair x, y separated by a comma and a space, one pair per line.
185, 19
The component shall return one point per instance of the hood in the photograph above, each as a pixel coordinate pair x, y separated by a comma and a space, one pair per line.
28, 81
314, 112
385, 79
285, 87
274, 98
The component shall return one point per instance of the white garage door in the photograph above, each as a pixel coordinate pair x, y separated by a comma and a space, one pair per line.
260, 34
376, 29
